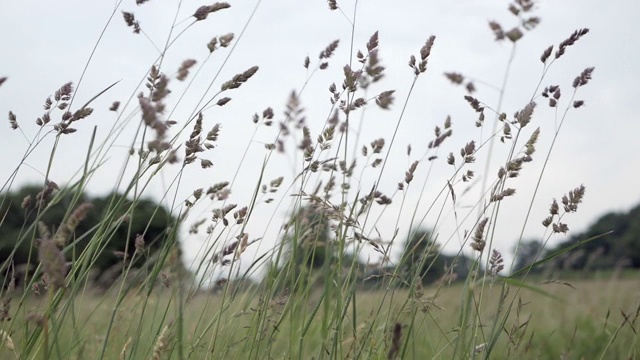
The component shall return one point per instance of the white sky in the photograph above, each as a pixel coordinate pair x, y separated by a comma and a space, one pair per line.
45, 44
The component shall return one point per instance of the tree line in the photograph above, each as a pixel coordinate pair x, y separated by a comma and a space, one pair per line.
308, 242
611, 242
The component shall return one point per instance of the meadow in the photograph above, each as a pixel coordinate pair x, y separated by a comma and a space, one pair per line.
315, 232
577, 319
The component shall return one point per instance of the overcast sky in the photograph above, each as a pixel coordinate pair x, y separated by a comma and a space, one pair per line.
45, 44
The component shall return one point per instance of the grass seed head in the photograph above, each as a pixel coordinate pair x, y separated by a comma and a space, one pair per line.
130, 20
53, 263
479, 243
6, 339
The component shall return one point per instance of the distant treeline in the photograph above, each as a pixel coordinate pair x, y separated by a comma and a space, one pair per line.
595, 251
423, 259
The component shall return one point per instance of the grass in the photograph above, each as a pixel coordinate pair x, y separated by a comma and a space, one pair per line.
309, 301
578, 322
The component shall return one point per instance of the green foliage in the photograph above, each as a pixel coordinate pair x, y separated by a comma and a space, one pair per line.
116, 220
621, 248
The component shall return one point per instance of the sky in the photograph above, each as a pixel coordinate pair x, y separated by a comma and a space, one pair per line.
46, 44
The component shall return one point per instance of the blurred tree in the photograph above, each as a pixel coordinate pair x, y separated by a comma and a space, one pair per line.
309, 238
306, 247
422, 258
528, 252
458, 266
20, 211
622, 246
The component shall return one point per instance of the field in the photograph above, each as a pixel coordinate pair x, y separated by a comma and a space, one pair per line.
583, 319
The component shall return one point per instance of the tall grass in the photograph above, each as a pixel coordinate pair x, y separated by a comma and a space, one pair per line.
306, 292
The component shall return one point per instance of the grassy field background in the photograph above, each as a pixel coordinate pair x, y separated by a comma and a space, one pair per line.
580, 319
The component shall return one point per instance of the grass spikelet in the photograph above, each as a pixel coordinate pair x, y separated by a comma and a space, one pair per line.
475, 103
425, 51
545, 54
372, 44
571, 40
385, 99
396, 338
65, 229
514, 34
7, 341
329, 50
64, 93
574, 198
161, 345
454, 77
123, 352
139, 243
496, 263
44, 196
530, 146
497, 30
504, 193
479, 242
409, 173
5, 311
570, 203
584, 78
13, 120
183, 71
239, 79
225, 40
203, 11
212, 45
523, 117
53, 263
149, 114
218, 6
130, 20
